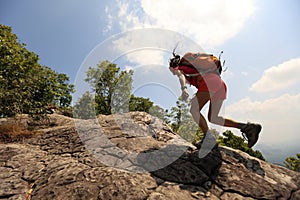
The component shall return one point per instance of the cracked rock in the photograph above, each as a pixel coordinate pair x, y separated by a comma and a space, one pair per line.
132, 156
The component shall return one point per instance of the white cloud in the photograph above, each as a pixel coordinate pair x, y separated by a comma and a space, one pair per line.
126, 16
146, 57
137, 50
210, 23
109, 20
279, 77
279, 117
151, 46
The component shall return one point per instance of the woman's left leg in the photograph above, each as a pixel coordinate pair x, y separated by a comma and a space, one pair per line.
208, 142
197, 103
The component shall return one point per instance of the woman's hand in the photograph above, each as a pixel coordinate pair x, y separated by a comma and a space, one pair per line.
184, 94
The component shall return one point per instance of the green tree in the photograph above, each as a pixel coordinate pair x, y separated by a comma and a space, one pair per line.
146, 105
25, 85
85, 107
237, 142
293, 163
159, 112
63, 96
140, 104
16, 64
183, 124
51, 88
112, 88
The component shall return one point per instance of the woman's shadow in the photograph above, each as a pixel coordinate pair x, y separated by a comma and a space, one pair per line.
189, 169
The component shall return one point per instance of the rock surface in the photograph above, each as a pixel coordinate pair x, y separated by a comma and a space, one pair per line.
132, 156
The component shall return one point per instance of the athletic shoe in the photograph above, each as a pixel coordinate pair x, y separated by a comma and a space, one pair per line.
251, 133
206, 145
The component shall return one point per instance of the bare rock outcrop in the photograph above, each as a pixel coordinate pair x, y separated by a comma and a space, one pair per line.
132, 156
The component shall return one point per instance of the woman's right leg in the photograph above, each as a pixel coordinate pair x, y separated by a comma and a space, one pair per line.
250, 129
214, 117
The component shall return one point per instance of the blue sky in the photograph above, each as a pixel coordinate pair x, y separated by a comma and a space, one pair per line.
260, 40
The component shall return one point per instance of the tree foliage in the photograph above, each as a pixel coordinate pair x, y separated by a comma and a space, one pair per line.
182, 123
140, 104
112, 88
293, 163
84, 108
25, 85
159, 112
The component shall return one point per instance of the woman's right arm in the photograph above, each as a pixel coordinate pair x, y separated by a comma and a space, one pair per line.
182, 81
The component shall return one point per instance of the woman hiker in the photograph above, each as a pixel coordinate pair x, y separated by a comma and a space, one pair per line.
212, 89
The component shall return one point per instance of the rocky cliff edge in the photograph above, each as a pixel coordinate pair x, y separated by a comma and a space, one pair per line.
131, 156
